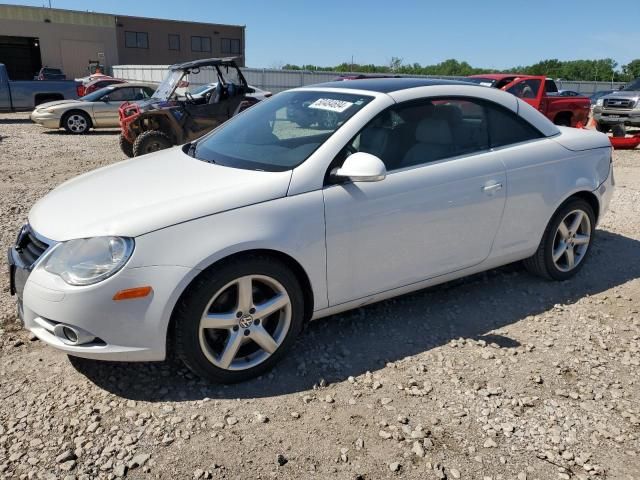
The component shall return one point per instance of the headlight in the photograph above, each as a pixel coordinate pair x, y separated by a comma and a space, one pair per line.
89, 260
600, 102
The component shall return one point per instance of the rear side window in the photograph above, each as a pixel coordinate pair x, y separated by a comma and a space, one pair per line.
507, 128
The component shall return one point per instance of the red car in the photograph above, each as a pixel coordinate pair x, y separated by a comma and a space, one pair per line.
541, 93
99, 83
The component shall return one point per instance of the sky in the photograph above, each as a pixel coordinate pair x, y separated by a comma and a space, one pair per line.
486, 33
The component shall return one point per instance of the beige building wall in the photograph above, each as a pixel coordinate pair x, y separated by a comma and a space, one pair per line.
158, 31
68, 39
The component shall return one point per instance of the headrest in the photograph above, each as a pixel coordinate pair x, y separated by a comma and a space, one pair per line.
451, 113
434, 130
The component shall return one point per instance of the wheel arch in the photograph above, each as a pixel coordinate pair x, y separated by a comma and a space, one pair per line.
288, 260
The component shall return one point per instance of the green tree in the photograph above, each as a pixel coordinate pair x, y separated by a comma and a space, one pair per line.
632, 69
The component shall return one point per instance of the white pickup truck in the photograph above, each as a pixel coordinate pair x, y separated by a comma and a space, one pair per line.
27, 94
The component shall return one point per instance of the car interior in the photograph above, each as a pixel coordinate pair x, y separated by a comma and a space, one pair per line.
422, 133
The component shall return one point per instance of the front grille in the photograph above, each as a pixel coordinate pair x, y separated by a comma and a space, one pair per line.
623, 103
28, 247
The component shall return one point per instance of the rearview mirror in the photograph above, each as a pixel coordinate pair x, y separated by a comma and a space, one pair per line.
361, 167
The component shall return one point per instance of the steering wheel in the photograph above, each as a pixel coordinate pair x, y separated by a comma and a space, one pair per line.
189, 97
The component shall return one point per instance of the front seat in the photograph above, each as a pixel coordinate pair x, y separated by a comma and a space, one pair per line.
433, 142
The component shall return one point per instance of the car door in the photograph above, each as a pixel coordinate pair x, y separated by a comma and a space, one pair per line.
437, 210
105, 110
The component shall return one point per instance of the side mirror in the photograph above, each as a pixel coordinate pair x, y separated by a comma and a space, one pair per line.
361, 167
106, 99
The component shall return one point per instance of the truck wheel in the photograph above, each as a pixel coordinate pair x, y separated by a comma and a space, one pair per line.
619, 130
563, 119
601, 127
150, 141
76, 122
126, 146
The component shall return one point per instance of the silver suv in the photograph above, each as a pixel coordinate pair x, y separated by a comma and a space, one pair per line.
619, 108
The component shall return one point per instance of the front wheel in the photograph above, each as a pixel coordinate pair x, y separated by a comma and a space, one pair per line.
150, 141
76, 122
565, 243
601, 127
236, 321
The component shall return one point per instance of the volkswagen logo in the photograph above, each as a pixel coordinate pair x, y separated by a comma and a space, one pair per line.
246, 321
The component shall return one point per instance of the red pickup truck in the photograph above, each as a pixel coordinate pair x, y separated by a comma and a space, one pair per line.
542, 94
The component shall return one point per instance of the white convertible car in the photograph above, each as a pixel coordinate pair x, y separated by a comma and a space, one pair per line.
222, 249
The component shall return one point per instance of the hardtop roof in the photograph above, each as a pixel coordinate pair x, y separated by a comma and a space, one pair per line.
387, 85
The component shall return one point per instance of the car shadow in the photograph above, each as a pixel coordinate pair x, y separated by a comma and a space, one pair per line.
90, 133
11, 121
365, 339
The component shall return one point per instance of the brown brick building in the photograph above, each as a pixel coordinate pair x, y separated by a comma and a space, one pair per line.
32, 37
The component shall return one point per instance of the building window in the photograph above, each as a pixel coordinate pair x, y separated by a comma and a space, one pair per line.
136, 39
231, 45
174, 42
200, 44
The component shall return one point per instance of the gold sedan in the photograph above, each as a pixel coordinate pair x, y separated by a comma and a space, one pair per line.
98, 109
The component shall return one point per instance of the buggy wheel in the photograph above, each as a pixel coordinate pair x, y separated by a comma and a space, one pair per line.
150, 141
126, 146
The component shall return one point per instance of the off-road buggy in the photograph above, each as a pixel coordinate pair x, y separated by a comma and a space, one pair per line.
171, 118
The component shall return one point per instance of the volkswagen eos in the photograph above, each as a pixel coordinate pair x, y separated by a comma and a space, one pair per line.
316, 201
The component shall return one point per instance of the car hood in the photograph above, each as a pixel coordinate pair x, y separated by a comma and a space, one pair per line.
623, 94
57, 103
147, 193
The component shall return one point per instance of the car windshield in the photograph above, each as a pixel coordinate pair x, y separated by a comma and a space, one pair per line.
633, 86
281, 133
485, 82
168, 85
95, 96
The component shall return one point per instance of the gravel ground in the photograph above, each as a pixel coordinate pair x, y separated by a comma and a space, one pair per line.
499, 376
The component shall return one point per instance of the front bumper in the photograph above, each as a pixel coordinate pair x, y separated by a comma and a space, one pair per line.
614, 117
128, 330
47, 120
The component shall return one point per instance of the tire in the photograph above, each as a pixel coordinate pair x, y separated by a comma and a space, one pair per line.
210, 352
601, 127
151, 141
542, 263
126, 146
563, 120
619, 130
76, 122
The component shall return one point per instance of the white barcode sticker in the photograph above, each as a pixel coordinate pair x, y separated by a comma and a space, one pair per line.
330, 105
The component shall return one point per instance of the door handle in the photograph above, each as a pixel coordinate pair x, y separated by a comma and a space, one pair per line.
494, 187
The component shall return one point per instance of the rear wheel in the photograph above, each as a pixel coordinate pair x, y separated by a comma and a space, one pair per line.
76, 122
563, 119
126, 146
239, 319
150, 141
566, 242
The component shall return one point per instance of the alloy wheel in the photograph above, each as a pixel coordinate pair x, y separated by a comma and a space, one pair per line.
245, 322
571, 241
77, 123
